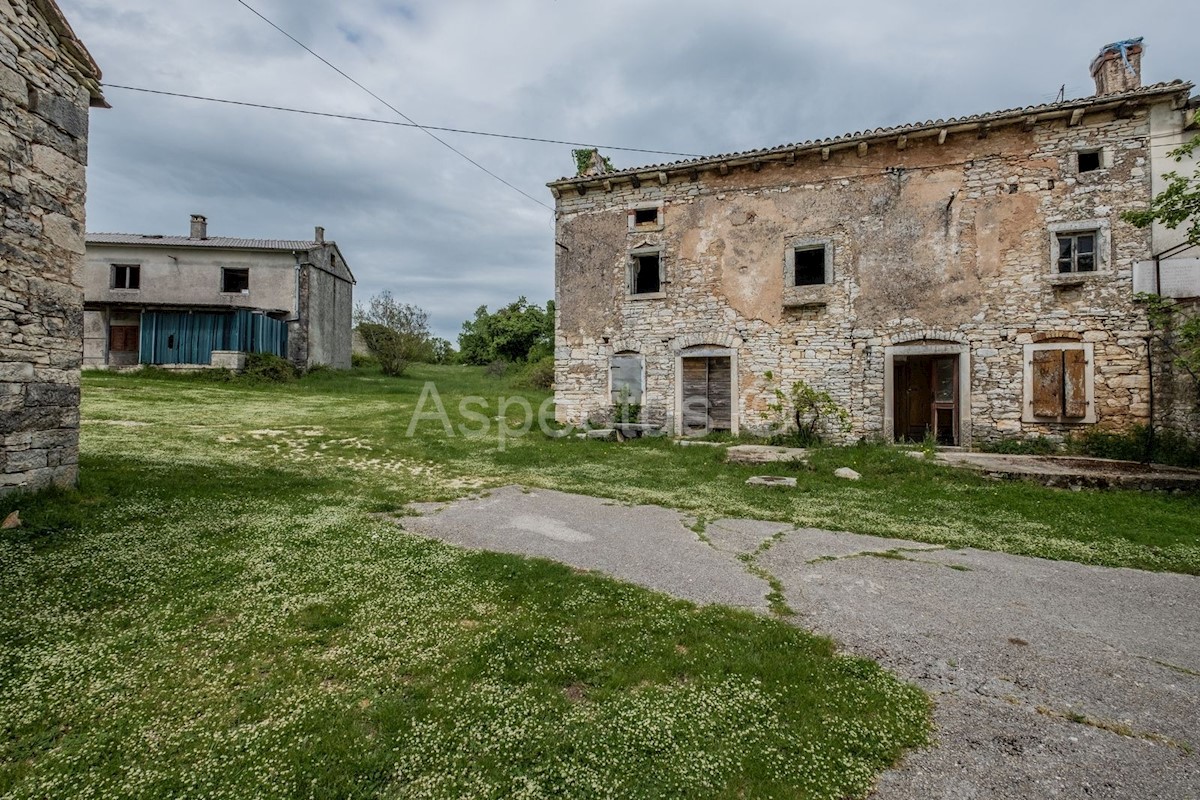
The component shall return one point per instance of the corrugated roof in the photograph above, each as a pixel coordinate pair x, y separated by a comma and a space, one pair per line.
1006, 115
220, 242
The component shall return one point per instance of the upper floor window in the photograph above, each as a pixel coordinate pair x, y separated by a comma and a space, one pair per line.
1089, 160
809, 262
1076, 252
126, 276
646, 273
235, 281
1079, 251
646, 217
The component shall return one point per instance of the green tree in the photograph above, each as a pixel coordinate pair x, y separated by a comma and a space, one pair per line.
517, 332
1179, 202
397, 334
1177, 329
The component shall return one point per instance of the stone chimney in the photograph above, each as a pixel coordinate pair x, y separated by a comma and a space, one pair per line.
1118, 68
199, 226
320, 235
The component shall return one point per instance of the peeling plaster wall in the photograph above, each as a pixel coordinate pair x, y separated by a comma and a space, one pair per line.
947, 242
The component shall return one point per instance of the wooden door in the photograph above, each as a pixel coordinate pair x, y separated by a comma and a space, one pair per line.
944, 393
707, 394
918, 399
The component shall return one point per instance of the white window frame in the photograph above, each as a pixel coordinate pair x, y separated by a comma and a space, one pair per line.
112, 277
1089, 381
631, 264
1102, 230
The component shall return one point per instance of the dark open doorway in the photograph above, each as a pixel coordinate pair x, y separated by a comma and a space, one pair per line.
927, 398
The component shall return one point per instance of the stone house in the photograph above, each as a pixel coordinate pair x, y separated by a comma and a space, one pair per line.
47, 83
969, 278
200, 301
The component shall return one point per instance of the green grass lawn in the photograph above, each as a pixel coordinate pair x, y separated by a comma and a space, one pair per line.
220, 612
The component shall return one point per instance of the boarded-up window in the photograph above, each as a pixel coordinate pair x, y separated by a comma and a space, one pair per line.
123, 338
1060, 383
626, 379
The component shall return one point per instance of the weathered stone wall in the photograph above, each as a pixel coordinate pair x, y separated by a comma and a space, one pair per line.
933, 242
43, 150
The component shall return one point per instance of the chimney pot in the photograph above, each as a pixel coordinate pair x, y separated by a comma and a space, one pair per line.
199, 226
1118, 67
320, 235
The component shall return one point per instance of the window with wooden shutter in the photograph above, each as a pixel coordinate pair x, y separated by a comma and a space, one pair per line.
1047, 383
626, 379
1058, 381
123, 338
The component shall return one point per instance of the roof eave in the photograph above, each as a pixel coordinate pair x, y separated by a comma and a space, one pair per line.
1029, 114
79, 60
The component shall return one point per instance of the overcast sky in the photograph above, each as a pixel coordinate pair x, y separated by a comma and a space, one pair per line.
412, 217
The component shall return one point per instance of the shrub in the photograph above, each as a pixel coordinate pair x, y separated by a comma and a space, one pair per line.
268, 368
1040, 446
813, 412
539, 374
393, 350
1169, 447
363, 361
496, 369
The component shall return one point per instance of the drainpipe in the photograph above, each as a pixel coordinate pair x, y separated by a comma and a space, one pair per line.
1150, 373
296, 305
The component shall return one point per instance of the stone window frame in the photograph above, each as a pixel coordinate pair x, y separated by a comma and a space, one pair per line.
225, 270
631, 264
1106, 159
112, 277
789, 260
634, 227
1089, 381
1103, 231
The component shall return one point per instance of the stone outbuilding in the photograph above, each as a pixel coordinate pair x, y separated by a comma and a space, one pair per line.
200, 301
969, 279
48, 81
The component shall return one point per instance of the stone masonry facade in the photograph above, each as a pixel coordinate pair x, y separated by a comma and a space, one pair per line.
940, 238
47, 83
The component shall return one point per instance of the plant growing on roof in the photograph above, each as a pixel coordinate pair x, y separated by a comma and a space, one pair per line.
589, 160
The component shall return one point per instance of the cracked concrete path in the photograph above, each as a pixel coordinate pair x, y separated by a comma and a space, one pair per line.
1050, 679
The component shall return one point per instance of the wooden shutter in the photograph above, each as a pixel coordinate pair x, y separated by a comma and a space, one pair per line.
695, 393
123, 338
1047, 383
627, 380
1074, 383
720, 401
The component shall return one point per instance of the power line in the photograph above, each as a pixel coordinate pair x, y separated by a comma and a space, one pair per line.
400, 113
376, 121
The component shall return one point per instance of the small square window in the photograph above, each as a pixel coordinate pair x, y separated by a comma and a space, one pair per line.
645, 216
810, 266
1076, 252
235, 281
647, 274
1089, 160
126, 276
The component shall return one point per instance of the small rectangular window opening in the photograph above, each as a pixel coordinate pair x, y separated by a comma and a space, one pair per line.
646, 275
645, 216
810, 266
1089, 160
1077, 252
234, 281
126, 276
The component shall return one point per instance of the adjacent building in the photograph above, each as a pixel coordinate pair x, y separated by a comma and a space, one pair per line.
970, 278
47, 83
201, 301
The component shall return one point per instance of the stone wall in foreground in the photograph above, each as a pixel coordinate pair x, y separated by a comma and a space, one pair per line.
43, 153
